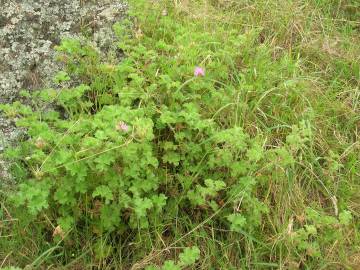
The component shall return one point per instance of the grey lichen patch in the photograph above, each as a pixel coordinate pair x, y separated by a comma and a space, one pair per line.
29, 31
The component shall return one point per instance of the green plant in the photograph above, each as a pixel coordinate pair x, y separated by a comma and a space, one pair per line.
187, 258
141, 154
321, 229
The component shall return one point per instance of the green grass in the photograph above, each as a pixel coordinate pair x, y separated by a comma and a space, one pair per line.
257, 163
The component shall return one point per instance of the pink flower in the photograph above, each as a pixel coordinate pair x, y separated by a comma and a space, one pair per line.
122, 126
199, 71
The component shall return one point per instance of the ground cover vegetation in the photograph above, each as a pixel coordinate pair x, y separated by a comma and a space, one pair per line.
227, 137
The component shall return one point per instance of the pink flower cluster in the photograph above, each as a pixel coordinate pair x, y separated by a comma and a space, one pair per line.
122, 126
199, 71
